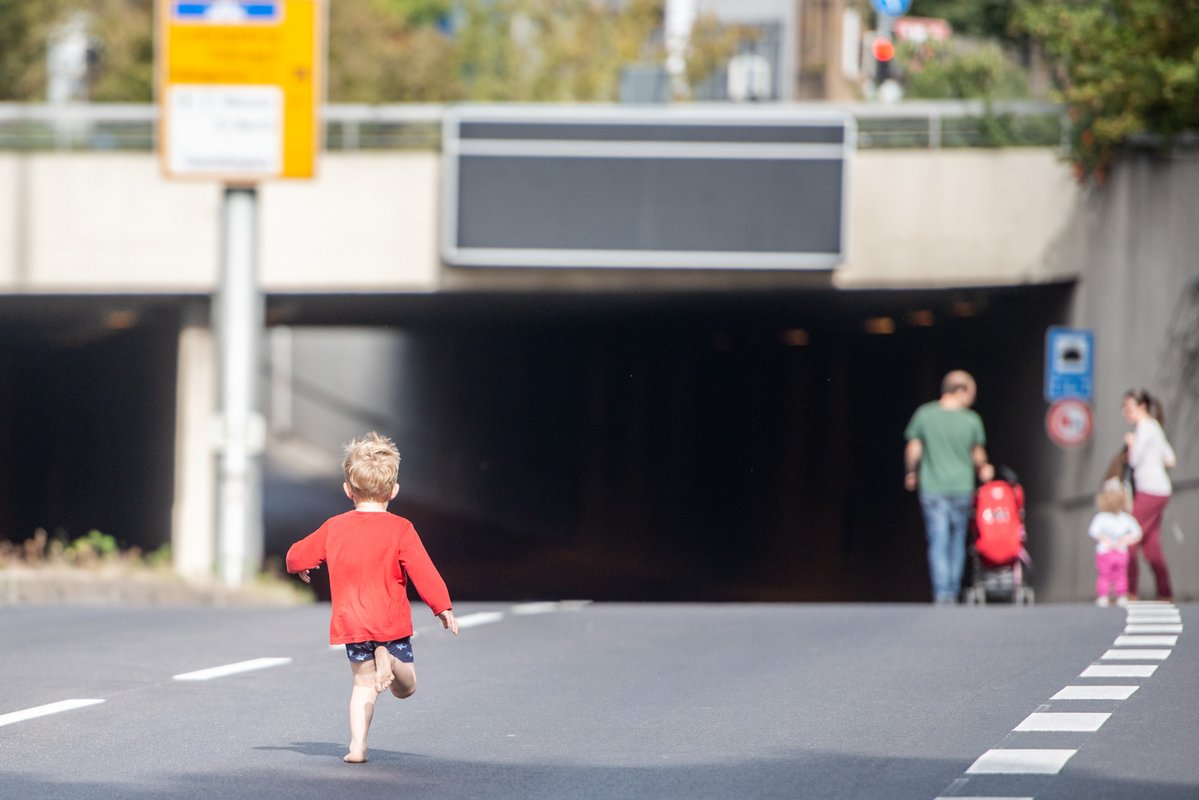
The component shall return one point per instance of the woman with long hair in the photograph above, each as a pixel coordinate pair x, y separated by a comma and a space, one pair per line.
1149, 455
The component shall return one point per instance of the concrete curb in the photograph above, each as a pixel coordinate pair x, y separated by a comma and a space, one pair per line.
51, 585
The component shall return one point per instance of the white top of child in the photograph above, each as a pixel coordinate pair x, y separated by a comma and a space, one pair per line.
1110, 531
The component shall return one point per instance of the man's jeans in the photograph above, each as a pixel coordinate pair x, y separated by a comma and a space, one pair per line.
945, 519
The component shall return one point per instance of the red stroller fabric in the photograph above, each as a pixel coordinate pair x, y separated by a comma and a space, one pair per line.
999, 520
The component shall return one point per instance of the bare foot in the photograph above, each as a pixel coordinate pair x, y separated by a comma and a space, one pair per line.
354, 758
383, 673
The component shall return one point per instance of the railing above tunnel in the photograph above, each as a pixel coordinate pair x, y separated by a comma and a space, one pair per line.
97, 127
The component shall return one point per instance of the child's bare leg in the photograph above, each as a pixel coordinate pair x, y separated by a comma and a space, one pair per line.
383, 673
403, 683
362, 708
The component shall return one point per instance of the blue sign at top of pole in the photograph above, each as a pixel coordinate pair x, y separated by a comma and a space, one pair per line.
228, 11
892, 8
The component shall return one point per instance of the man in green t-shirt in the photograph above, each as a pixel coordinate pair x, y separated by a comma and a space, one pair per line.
945, 451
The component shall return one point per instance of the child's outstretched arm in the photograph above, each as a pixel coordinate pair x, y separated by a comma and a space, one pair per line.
307, 554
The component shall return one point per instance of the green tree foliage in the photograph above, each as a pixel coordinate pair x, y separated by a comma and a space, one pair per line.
552, 50
1126, 67
25, 27
124, 31
978, 71
390, 51
982, 19
383, 51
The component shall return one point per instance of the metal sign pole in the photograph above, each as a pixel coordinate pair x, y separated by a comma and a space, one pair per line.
239, 311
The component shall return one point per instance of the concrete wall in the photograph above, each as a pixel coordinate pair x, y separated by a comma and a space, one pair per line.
105, 222
1134, 242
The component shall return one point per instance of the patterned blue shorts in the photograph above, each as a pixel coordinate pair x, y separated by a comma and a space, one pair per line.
365, 651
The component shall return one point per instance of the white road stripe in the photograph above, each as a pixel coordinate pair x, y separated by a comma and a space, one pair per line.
523, 609
42, 711
1118, 671
1095, 693
1020, 762
231, 669
1063, 721
481, 618
1136, 654
1153, 629
1145, 641
1154, 616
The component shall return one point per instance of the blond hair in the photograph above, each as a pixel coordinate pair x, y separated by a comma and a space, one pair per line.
1111, 499
371, 467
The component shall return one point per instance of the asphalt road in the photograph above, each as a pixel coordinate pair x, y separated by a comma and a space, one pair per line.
602, 701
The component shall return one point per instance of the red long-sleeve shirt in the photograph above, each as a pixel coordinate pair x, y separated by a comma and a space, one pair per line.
371, 555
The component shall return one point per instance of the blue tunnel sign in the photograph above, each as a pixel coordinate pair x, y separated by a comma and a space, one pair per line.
1069, 363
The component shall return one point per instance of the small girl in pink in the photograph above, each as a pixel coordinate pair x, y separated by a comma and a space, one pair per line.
1113, 530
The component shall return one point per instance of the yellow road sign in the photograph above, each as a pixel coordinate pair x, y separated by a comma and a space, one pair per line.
240, 85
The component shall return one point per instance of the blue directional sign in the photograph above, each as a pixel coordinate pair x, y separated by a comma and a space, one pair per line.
228, 11
1069, 363
892, 8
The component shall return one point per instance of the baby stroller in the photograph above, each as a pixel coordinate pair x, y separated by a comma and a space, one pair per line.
999, 560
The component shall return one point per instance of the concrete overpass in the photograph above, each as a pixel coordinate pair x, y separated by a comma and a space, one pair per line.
966, 253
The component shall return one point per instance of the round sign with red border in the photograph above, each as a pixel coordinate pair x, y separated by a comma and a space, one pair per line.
1069, 422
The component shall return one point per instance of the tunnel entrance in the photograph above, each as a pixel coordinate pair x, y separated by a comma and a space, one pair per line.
87, 385
655, 447
694, 446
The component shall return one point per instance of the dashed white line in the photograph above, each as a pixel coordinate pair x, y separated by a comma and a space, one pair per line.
1118, 671
480, 618
42, 711
523, 609
1078, 722
1136, 654
1020, 762
231, 669
1131, 628
1095, 693
1146, 641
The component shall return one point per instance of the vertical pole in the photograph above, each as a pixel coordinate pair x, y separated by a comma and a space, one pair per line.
239, 322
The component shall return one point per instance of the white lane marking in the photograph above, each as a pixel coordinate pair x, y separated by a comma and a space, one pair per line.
1154, 620
1020, 762
1153, 628
42, 711
1151, 603
1145, 641
1063, 721
480, 618
1169, 616
1136, 654
231, 669
1118, 671
1095, 693
523, 609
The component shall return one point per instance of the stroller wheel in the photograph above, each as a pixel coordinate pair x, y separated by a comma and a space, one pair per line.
1025, 596
976, 596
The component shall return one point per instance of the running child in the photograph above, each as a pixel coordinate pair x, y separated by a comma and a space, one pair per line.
371, 555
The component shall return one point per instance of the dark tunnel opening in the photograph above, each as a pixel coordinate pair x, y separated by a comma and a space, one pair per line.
689, 447
614, 447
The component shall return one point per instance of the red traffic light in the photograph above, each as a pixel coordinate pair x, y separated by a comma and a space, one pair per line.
882, 48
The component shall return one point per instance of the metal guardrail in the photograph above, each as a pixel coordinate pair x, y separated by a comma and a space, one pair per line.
916, 125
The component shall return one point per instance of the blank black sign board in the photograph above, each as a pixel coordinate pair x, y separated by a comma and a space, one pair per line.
571, 186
